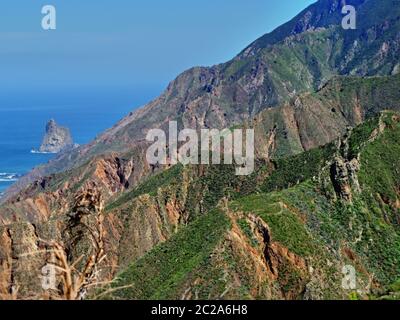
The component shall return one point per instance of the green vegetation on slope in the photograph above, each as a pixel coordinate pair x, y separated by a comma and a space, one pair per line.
159, 274
150, 186
305, 218
293, 170
380, 170
286, 226
220, 181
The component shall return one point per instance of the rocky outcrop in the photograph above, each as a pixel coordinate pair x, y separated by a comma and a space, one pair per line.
345, 166
344, 169
344, 177
56, 139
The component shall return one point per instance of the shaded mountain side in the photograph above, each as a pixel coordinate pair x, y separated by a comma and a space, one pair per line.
290, 242
301, 56
140, 215
321, 14
376, 23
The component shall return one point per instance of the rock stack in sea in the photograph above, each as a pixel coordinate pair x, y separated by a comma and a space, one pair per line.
56, 139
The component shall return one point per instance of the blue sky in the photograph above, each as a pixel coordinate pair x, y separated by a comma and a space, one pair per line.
127, 43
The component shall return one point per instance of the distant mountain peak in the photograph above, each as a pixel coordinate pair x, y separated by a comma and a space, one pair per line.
321, 14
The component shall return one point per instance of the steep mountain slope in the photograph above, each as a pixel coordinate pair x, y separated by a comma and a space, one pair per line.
139, 218
298, 57
293, 87
303, 123
293, 242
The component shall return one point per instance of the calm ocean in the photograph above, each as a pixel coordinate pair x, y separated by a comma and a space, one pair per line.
23, 118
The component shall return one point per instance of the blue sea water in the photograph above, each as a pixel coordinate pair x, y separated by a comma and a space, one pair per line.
87, 113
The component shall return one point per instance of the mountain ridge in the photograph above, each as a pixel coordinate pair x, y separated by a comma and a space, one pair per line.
322, 135
229, 93
159, 206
